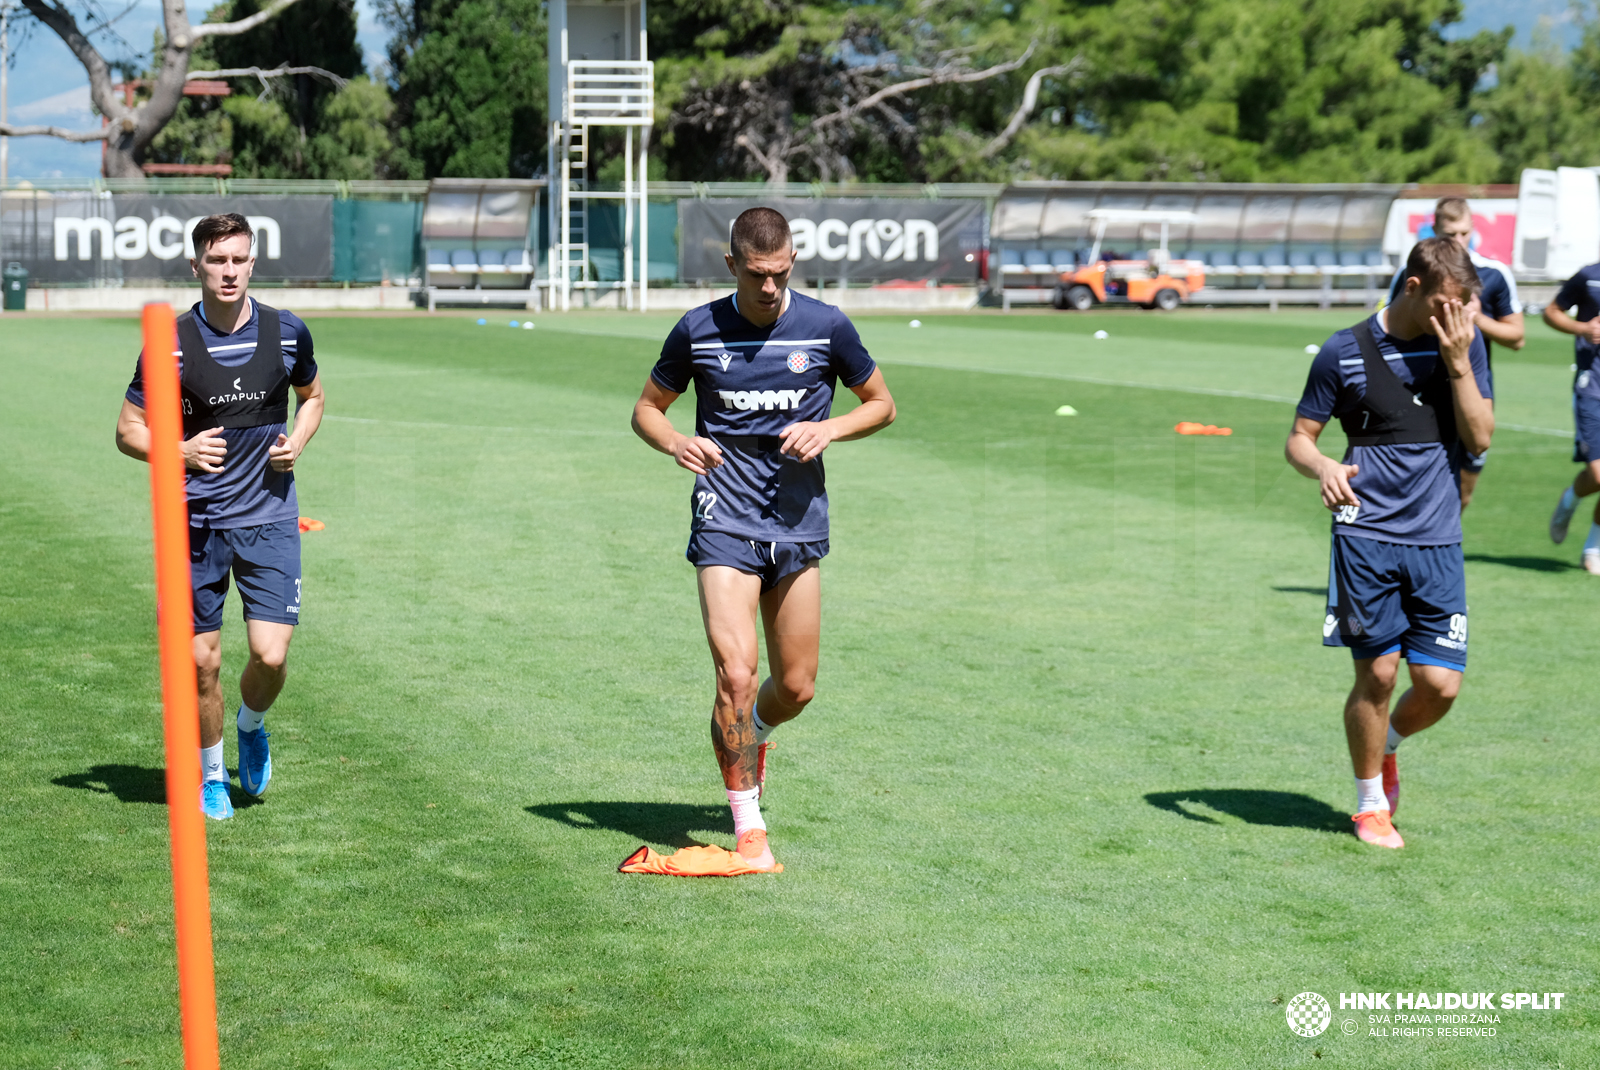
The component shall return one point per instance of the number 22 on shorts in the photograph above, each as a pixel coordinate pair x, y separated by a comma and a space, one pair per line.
703, 501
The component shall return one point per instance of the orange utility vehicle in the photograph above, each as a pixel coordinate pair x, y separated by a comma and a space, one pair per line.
1157, 281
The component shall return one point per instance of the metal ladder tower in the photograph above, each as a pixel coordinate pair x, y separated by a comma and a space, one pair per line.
599, 77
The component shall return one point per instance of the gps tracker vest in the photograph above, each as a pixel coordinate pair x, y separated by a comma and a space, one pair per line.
1391, 415
255, 393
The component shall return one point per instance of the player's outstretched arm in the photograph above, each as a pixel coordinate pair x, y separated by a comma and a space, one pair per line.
1302, 453
204, 452
650, 423
805, 441
307, 418
1558, 318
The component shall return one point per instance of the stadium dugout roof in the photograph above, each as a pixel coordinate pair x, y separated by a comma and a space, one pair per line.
1227, 215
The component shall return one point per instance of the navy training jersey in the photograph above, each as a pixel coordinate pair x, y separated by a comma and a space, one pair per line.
1583, 290
247, 492
1499, 297
1408, 492
750, 383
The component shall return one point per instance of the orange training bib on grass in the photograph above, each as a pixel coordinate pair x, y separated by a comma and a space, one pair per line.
708, 861
1187, 428
307, 524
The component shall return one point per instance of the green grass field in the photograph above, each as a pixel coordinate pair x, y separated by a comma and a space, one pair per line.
1073, 792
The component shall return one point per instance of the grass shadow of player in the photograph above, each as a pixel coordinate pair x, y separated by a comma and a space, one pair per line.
132, 784
129, 783
664, 824
1532, 564
1284, 809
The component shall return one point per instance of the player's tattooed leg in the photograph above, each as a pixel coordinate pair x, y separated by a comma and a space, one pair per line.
735, 742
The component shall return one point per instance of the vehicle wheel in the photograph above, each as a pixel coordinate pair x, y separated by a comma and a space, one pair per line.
1060, 299
1080, 298
1167, 300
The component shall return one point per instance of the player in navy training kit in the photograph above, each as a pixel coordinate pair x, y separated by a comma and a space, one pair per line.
1582, 291
763, 362
1497, 311
1410, 386
238, 360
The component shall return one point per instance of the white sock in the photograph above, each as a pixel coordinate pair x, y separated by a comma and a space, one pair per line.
1369, 795
747, 810
763, 729
1394, 741
1591, 545
250, 720
211, 764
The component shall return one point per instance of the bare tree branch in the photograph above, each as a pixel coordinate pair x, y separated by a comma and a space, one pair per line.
262, 75
55, 131
1030, 97
951, 75
230, 29
131, 129
775, 165
58, 18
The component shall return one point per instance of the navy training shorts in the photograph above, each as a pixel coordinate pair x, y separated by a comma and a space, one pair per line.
1586, 424
772, 561
264, 561
1386, 596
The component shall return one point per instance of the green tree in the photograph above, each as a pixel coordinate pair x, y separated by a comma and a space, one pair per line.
299, 126
469, 80
348, 135
1351, 90
1541, 112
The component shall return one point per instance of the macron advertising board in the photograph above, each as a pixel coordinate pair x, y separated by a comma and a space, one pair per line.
861, 240
137, 237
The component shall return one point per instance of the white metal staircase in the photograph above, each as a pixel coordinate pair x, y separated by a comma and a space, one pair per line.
599, 93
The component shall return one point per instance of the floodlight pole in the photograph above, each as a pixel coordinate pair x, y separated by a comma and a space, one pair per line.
627, 216
644, 179
5, 86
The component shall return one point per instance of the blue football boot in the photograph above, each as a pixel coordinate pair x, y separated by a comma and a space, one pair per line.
214, 800
255, 762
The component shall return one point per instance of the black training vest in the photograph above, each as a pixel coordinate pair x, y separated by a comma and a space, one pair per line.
1391, 415
254, 393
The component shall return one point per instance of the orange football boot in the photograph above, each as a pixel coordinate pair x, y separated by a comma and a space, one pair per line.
1373, 826
753, 848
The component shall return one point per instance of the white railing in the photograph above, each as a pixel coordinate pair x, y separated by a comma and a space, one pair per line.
611, 92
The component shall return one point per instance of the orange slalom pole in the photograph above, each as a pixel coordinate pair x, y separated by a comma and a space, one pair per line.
191, 897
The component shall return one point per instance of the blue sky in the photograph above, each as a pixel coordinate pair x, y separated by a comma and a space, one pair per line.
48, 86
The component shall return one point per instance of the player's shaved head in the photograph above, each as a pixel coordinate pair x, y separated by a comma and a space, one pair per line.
757, 232
1440, 264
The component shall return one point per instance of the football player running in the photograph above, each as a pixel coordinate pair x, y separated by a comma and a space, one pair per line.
1581, 294
238, 361
764, 362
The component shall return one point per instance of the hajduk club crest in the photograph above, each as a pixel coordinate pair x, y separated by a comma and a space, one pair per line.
798, 362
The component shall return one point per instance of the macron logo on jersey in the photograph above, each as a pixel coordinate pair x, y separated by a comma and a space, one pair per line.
748, 400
